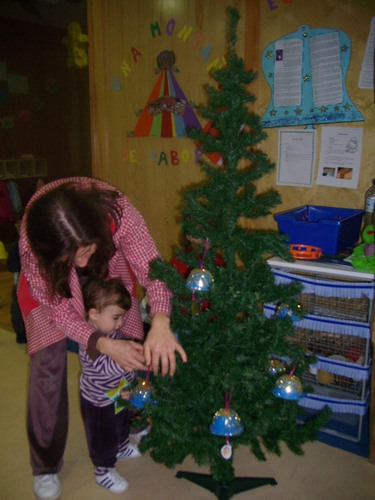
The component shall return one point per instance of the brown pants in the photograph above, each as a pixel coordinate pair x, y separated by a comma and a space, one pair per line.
47, 408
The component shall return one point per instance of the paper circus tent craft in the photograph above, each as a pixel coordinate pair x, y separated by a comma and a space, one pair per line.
167, 113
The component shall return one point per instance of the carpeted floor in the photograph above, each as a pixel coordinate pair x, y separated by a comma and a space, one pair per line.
323, 472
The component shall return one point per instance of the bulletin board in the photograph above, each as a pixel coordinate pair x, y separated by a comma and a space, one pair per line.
148, 65
280, 18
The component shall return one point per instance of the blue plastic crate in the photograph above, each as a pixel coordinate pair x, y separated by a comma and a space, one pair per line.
329, 228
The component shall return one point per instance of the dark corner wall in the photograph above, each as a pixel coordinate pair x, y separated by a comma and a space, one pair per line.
48, 119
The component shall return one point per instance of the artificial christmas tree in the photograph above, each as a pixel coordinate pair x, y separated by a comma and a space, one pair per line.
227, 393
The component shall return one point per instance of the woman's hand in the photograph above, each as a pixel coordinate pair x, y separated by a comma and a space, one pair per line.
126, 353
160, 346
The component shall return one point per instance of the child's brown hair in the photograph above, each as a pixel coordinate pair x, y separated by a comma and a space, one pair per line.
98, 294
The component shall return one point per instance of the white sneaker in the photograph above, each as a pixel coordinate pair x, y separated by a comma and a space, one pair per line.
131, 451
137, 436
47, 487
112, 481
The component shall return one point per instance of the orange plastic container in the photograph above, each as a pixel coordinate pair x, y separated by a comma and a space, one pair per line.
306, 252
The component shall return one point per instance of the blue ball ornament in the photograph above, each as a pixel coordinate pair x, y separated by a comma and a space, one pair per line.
283, 311
226, 423
276, 367
199, 280
141, 394
288, 387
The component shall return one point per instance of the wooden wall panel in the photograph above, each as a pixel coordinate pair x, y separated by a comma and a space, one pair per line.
131, 164
117, 26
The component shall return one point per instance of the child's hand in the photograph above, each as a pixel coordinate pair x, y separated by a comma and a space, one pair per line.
125, 395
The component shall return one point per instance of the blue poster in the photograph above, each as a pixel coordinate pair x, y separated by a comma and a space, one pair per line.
306, 71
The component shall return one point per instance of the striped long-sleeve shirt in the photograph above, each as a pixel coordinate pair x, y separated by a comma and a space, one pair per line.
100, 376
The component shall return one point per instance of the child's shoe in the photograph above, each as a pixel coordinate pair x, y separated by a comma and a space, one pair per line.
137, 436
131, 451
112, 481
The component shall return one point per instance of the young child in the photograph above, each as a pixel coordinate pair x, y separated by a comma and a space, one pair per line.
107, 429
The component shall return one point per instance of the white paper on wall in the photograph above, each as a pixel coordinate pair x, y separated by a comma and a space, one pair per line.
366, 76
340, 157
296, 157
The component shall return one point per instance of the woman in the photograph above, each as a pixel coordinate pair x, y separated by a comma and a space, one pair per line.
74, 229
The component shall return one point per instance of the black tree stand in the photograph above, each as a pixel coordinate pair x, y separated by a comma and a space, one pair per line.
226, 491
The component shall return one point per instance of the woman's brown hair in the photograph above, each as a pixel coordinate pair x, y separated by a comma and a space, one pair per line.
65, 219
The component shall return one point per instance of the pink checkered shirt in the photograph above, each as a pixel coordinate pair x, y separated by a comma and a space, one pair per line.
50, 319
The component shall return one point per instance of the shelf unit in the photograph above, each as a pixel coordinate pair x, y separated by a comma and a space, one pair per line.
338, 300
23, 168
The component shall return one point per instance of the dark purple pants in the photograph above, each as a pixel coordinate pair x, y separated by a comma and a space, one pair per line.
105, 432
47, 408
